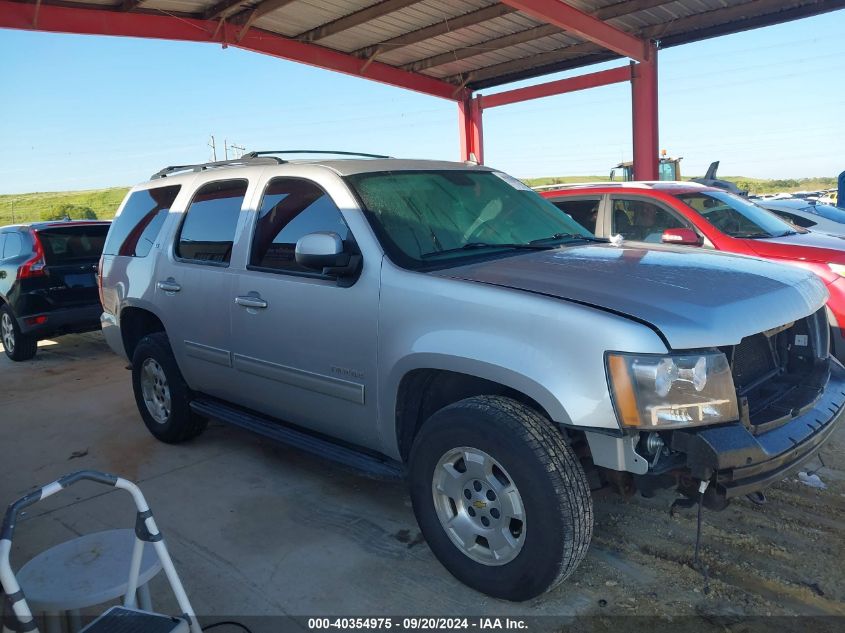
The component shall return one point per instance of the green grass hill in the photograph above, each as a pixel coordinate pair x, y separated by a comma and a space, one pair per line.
32, 207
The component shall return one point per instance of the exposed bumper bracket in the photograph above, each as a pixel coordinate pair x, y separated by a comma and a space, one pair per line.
616, 453
744, 463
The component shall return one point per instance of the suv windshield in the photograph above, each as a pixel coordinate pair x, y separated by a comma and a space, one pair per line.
736, 216
426, 218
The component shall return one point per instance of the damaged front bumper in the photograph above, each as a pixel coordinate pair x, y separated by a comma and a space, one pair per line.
740, 462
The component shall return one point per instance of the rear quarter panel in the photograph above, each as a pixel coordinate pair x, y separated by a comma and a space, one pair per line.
130, 281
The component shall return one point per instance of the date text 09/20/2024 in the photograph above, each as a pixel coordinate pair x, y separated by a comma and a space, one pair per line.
418, 623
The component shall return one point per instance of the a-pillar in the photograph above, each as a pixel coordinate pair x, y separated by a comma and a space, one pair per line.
470, 129
644, 111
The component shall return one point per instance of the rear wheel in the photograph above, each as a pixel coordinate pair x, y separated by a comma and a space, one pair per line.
18, 346
500, 497
163, 398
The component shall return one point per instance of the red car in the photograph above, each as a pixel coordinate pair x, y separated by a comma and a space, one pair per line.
695, 215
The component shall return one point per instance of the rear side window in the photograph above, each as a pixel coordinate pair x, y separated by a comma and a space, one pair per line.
208, 230
13, 246
584, 212
290, 209
134, 231
73, 244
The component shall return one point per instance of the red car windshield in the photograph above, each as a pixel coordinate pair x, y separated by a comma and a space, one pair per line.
736, 216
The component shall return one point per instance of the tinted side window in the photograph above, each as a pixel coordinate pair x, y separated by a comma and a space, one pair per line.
135, 230
208, 230
290, 209
13, 247
642, 221
584, 212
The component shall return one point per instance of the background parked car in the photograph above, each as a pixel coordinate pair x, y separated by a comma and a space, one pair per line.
830, 197
688, 214
816, 217
48, 283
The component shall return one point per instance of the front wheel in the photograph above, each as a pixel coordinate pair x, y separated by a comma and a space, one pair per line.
163, 398
500, 497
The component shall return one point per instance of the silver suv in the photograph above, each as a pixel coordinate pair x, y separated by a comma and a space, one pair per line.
442, 322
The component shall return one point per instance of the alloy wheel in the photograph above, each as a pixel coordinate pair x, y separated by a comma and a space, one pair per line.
7, 332
155, 390
479, 506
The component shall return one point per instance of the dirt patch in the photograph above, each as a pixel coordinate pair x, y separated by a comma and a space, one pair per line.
780, 558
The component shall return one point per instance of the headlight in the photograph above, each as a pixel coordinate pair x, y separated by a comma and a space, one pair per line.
653, 391
839, 269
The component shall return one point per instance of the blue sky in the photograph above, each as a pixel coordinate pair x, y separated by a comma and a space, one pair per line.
87, 112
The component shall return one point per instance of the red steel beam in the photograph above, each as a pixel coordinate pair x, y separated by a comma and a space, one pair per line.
645, 119
562, 86
76, 20
470, 129
583, 25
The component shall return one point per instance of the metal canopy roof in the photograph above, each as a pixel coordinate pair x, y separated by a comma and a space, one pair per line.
465, 44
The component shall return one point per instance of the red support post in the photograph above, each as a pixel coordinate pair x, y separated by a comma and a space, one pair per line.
645, 120
471, 130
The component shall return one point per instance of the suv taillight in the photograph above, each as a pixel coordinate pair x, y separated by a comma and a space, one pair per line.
100, 279
34, 266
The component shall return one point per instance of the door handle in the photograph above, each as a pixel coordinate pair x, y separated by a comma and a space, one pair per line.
169, 286
251, 301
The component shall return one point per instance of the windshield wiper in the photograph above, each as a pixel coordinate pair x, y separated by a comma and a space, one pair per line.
568, 236
475, 245
785, 233
752, 236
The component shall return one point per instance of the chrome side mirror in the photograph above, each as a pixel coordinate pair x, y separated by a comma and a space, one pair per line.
323, 249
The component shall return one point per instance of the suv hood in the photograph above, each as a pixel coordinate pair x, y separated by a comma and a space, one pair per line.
694, 299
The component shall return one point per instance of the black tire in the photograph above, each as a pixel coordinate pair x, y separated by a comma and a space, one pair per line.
22, 347
180, 423
552, 485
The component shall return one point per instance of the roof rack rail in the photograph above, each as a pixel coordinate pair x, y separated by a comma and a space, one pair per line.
233, 162
585, 185
313, 151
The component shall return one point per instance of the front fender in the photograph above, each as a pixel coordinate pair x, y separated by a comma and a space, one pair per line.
547, 349
490, 369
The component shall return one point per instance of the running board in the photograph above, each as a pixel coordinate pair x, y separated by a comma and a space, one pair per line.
381, 467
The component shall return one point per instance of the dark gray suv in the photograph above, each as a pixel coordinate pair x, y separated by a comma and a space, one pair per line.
48, 282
